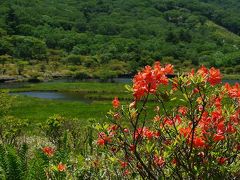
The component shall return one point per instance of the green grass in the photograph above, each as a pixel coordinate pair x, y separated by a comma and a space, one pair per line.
38, 110
231, 77
90, 90
95, 87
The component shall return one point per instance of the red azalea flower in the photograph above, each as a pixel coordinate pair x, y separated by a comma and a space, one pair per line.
168, 69
216, 115
123, 164
61, 167
159, 161
177, 119
148, 134
168, 121
49, 151
198, 142
112, 127
214, 76
196, 90
126, 172
103, 139
230, 129
156, 134
221, 160
203, 71
115, 102
143, 132
185, 131
148, 80
218, 103
132, 148
182, 110
100, 142
218, 137
234, 91
174, 161
221, 127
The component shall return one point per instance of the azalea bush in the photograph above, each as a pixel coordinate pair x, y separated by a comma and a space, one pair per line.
184, 128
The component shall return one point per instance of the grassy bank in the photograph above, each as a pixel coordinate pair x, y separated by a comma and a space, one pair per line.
231, 77
89, 90
38, 110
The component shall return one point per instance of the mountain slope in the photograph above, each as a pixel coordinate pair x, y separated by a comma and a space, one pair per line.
106, 38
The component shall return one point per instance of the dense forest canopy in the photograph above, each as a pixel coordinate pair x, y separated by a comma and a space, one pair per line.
92, 37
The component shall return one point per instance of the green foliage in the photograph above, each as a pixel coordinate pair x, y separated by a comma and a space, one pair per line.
67, 135
12, 128
54, 129
29, 47
13, 163
74, 59
134, 32
5, 103
37, 166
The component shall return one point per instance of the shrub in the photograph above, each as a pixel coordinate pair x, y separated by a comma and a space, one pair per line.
5, 103
194, 133
68, 134
11, 128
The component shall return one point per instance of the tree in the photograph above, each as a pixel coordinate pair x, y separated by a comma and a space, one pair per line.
12, 21
74, 59
20, 66
29, 47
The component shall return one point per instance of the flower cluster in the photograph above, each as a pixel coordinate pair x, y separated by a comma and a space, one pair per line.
148, 80
115, 102
145, 133
61, 167
213, 76
49, 151
233, 91
103, 138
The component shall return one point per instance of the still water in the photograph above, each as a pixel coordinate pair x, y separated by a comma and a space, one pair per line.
52, 95
67, 96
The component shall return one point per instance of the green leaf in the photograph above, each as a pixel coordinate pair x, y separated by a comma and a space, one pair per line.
185, 96
129, 88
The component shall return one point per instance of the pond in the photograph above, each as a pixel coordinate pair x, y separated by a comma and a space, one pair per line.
53, 95
66, 96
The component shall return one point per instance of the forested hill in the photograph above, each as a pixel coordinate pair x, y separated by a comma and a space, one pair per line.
106, 38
